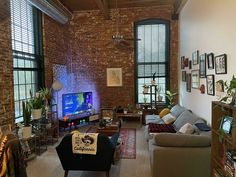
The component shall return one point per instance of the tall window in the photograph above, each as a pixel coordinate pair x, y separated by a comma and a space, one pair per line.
27, 53
152, 56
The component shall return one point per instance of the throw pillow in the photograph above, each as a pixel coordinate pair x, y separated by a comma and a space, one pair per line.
169, 118
202, 126
177, 110
186, 129
164, 112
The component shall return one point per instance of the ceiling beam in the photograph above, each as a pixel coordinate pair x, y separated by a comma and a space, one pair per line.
103, 6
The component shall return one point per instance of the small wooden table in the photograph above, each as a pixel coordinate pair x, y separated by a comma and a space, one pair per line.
109, 130
130, 115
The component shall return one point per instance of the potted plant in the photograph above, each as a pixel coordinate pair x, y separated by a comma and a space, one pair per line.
36, 104
170, 96
153, 82
159, 97
145, 103
230, 91
145, 88
26, 129
46, 93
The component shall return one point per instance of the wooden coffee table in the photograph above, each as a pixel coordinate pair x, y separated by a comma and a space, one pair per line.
131, 116
109, 130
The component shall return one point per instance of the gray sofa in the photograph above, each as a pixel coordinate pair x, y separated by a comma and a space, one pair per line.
179, 155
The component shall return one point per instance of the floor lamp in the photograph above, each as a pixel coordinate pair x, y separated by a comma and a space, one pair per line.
57, 86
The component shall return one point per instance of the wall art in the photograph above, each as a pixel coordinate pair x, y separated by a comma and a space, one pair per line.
195, 79
202, 61
221, 64
210, 82
195, 57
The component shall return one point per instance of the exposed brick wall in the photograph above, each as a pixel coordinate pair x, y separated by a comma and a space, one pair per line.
93, 51
6, 74
86, 41
56, 41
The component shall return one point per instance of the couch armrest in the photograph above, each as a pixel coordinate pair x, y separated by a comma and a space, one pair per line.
181, 140
180, 161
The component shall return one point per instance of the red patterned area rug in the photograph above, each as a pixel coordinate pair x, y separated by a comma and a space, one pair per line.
128, 147
128, 138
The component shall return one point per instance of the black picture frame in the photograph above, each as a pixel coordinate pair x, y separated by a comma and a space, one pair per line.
202, 67
210, 61
210, 82
195, 81
221, 64
190, 64
186, 62
184, 76
195, 57
182, 62
188, 82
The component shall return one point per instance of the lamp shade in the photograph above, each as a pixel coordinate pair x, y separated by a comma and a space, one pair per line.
57, 85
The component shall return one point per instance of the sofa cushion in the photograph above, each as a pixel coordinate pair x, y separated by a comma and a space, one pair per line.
177, 110
156, 128
186, 129
202, 126
185, 117
181, 140
164, 112
153, 119
169, 118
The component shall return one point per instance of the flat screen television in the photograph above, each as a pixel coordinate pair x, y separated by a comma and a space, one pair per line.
75, 104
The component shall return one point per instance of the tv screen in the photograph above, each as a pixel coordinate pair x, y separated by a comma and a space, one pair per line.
76, 103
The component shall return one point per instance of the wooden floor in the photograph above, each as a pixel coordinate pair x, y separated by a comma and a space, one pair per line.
48, 164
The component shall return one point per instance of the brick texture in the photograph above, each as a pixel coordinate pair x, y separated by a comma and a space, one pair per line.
90, 51
85, 46
6, 74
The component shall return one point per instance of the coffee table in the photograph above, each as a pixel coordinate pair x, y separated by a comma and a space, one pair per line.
109, 130
131, 116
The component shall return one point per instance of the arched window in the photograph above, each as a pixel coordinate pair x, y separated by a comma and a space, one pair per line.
152, 53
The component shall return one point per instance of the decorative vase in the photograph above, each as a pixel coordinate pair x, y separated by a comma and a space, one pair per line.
159, 98
145, 90
36, 113
26, 132
153, 82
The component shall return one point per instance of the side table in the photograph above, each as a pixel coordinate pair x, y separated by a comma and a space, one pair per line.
131, 116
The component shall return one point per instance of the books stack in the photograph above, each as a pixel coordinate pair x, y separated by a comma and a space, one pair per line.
217, 173
230, 163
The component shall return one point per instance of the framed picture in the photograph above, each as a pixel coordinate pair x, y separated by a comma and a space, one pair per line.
220, 86
186, 62
182, 62
184, 76
114, 77
202, 65
210, 61
221, 64
190, 64
195, 57
188, 82
195, 79
210, 81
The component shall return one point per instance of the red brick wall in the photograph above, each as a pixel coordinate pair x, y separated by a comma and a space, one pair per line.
86, 42
93, 51
56, 41
6, 74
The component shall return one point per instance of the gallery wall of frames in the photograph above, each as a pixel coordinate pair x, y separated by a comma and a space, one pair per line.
198, 67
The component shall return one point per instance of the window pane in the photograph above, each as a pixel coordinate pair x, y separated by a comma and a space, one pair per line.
23, 45
147, 43
22, 92
151, 57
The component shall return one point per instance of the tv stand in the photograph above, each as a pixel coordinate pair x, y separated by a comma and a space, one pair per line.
77, 120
